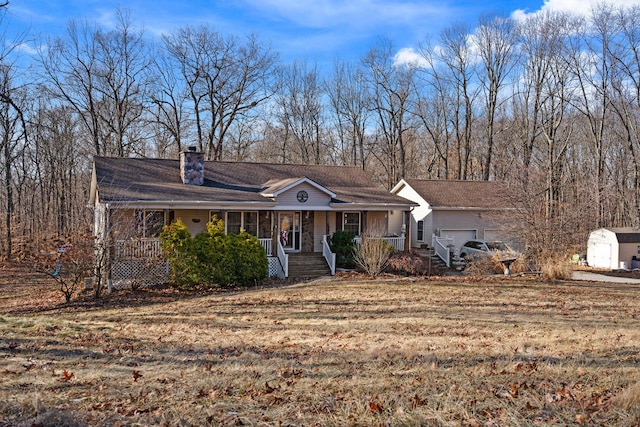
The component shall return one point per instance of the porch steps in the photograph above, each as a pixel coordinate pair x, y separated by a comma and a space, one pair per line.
438, 267
308, 264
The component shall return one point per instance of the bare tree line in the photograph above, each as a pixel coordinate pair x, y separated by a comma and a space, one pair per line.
550, 105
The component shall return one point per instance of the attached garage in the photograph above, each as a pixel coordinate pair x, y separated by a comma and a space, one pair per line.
459, 236
614, 248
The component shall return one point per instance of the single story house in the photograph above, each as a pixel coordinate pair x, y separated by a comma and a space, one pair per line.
614, 248
450, 212
291, 209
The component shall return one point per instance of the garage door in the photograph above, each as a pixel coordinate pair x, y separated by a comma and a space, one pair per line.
459, 236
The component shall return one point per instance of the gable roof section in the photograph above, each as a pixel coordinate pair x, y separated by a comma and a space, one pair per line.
278, 186
626, 234
440, 193
144, 180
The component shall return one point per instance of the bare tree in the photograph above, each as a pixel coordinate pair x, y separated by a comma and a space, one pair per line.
169, 114
122, 85
625, 98
496, 41
542, 104
69, 67
224, 78
435, 108
349, 99
12, 145
13, 100
391, 90
593, 68
456, 55
301, 111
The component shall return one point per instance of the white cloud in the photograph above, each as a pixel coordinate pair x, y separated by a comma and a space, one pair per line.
26, 48
578, 7
409, 56
520, 15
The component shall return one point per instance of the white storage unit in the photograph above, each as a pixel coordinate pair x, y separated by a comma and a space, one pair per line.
614, 248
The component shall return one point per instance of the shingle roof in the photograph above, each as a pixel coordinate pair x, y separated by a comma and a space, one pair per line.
626, 234
462, 194
145, 179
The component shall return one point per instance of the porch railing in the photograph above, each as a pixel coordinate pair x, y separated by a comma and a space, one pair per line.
329, 256
266, 244
143, 248
283, 257
396, 242
442, 247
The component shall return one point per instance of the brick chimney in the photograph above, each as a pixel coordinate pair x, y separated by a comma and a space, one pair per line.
192, 167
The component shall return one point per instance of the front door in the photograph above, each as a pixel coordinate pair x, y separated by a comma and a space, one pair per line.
289, 226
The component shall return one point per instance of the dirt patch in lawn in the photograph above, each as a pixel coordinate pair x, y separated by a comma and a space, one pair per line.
341, 351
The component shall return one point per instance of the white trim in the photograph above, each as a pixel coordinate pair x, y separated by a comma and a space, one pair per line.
340, 206
418, 231
205, 205
402, 183
468, 208
359, 221
242, 223
295, 241
298, 182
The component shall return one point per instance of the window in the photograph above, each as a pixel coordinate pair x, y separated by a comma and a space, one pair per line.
234, 222
247, 221
250, 223
420, 230
352, 222
149, 223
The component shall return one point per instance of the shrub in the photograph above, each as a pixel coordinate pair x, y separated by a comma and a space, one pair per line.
180, 250
212, 257
556, 269
69, 264
482, 265
410, 264
372, 255
343, 246
244, 261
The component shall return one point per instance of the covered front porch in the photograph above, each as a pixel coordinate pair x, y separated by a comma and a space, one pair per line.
281, 233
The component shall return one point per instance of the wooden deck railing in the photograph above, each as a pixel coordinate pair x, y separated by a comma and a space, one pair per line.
396, 242
266, 244
143, 248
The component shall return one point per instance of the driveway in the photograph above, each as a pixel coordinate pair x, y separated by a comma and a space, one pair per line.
595, 277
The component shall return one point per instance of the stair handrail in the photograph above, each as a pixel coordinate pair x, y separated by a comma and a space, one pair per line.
283, 257
329, 256
441, 247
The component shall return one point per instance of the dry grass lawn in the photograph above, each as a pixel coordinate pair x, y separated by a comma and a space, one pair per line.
335, 352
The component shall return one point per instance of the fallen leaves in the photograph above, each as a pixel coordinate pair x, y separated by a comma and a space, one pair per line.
66, 376
372, 354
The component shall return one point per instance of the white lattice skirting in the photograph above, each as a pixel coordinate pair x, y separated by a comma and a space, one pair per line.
275, 269
138, 273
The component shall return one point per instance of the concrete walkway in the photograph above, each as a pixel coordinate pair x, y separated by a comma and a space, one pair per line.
595, 277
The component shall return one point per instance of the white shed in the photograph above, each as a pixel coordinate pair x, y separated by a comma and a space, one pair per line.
614, 248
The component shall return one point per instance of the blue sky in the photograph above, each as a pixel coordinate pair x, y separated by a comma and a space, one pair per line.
321, 31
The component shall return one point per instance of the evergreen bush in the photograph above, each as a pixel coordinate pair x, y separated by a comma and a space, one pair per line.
211, 257
178, 248
343, 246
